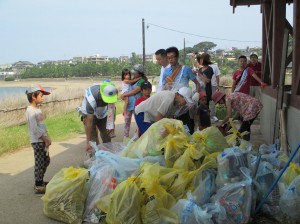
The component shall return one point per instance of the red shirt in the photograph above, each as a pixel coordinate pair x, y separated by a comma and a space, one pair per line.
245, 88
257, 70
139, 100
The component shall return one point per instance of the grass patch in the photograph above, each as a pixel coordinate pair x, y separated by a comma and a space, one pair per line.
60, 127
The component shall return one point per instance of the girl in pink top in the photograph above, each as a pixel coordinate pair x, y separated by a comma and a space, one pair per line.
246, 106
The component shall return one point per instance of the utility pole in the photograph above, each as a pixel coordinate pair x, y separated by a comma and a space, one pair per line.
184, 56
144, 54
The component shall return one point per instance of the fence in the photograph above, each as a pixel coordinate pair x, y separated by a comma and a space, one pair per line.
16, 116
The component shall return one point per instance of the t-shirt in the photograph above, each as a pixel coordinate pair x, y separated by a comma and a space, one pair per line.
208, 73
245, 88
216, 73
139, 100
36, 124
160, 84
132, 99
257, 70
204, 115
180, 80
100, 107
162, 102
247, 106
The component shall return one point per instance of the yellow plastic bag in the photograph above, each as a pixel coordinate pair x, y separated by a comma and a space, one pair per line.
151, 142
211, 138
125, 203
176, 182
291, 173
158, 200
174, 147
66, 194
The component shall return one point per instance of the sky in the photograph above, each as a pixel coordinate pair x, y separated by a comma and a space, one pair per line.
37, 30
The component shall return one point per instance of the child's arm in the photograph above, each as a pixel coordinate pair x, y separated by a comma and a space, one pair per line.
47, 140
131, 81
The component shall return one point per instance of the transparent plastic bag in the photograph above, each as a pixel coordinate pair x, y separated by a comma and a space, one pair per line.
204, 186
189, 212
236, 199
66, 194
229, 163
290, 200
102, 182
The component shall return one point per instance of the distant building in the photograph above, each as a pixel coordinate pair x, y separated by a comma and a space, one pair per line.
148, 57
97, 59
22, 65
3, 75
79, 60
123, 58
5, 66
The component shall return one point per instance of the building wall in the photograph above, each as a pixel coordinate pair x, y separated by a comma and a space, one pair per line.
267, 120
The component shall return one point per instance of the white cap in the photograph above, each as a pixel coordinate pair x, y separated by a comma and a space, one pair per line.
186, 93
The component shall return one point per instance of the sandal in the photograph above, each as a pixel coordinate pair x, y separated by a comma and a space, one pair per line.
40, 189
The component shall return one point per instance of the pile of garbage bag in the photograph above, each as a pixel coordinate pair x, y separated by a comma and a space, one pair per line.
168, 176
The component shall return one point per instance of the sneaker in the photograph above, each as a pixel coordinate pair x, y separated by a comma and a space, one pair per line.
112, 134
40, 189
214, 119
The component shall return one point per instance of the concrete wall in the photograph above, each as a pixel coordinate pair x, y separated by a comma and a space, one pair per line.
267, 120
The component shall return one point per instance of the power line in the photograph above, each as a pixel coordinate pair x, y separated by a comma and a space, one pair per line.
192, 34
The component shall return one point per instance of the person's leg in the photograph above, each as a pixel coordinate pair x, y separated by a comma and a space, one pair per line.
127, 124
246, 126
143, 126
101, 124
94, 131
41, 162
212, 105
125, 107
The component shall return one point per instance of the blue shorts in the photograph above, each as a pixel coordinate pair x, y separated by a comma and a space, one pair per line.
142, 125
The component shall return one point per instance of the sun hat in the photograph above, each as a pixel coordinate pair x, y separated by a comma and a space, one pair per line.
146, 85
186, 93
217, 96
37, 87
109, 92
139, 68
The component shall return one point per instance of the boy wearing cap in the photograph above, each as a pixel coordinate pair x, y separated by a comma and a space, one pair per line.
99, 100
146, 89
39, 137
161, 105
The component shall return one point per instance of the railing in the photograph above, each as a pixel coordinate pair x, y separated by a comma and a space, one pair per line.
16, 116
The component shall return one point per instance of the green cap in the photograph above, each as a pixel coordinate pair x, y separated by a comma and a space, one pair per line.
109, 92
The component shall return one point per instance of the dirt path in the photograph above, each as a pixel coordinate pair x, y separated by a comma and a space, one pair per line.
18, 202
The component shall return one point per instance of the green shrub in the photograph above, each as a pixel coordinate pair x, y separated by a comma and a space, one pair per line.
9, 78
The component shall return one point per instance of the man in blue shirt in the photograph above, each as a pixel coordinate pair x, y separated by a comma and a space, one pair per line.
177, 76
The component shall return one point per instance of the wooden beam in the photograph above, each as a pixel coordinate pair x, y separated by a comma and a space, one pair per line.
279, 11
267, 40
296, 49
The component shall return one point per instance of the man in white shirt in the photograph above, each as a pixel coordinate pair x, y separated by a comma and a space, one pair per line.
162, 60
160, 105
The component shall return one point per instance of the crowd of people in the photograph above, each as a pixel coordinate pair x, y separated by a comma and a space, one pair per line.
195, 107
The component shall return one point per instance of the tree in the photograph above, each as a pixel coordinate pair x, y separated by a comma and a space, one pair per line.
204, 46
